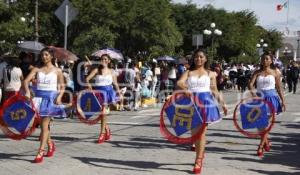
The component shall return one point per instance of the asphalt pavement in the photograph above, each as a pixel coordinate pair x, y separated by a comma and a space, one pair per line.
137, 147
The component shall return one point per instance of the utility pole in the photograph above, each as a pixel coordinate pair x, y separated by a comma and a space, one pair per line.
36, 28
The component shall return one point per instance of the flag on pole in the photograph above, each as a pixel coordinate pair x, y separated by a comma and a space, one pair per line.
281, 6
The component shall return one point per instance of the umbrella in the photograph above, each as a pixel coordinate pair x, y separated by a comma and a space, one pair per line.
165, 58
31, 46
182, 61
63, 54
113, 53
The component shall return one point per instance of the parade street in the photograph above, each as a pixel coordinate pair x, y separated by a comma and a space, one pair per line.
137, 147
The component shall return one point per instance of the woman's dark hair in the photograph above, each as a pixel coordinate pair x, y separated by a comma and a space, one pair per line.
51, 52
272, 66
192, 61
100, 67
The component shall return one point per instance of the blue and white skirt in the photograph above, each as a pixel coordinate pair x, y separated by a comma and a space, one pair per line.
210, 106
44, 101
272, 97
107, 93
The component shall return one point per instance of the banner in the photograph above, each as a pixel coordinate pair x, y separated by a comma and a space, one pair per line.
279, 7
254, 115
251, 116
180, 116
89, 107
18, 117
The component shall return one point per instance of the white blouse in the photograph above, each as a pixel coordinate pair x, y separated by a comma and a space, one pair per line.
199, 84
265, 82
103, 80
47, 82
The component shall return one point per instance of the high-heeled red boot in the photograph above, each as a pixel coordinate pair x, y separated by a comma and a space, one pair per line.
260, 151
198, 165
107, 133
101, 138
51, 149
39, 157
267, 145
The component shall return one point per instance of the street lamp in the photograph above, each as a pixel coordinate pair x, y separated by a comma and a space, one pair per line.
212, 32
260, 46
23, 19
298, 48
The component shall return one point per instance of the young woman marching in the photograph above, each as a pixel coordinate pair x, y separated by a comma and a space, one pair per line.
50, 88
104, 79
202, 83
268, 85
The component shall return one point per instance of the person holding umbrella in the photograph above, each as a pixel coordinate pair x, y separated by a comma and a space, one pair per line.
104, 79
50, 89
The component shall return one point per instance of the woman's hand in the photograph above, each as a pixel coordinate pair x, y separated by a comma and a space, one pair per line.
119, 93
58, 100
28, 95
225, 110
89, 87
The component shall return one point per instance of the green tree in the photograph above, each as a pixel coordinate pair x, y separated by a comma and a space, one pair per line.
145, 25
12, 28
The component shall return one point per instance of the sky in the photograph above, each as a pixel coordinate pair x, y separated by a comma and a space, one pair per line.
265, 11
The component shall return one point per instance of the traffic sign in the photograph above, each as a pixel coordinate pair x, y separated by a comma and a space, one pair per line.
66, 12
197, 40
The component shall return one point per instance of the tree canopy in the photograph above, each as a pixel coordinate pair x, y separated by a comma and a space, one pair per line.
151, 27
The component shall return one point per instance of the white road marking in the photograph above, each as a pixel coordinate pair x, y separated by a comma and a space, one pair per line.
296, 119
145, 115
125, 123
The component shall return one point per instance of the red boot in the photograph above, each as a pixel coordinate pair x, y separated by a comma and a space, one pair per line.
51, 149
198, 166
107, 133
260, 151
101, 138
39, 157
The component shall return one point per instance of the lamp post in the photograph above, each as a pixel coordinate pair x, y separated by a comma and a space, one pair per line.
36, 16
260, 46
212, 32
298, 49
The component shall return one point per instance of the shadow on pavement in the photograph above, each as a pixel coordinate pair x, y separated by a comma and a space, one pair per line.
7, 156
273, 172
132, 165
148, 143
285, 151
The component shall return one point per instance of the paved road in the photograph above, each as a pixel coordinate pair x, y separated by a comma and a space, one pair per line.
138, 148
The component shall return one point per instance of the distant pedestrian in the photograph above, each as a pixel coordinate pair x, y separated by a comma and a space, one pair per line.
293, 76
12, 78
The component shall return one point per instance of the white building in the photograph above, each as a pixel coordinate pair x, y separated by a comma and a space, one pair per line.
291, 45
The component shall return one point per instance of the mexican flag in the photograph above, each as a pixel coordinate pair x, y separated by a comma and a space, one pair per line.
281, 6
